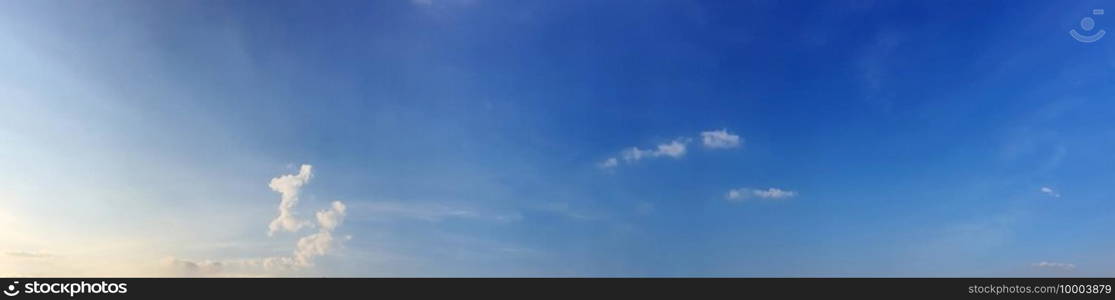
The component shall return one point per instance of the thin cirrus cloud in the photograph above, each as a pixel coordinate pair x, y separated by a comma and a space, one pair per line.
427, 211
675, 149
715, 139
28, 254
306, 250
741, 194
611, 162
1055, 266
720, 139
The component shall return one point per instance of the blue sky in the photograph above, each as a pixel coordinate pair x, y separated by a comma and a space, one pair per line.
473, 138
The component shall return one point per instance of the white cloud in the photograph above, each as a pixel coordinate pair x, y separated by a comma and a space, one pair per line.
311, 246
289, 187
611, 162
1049, 191
720, 139
1055, 265
307, 248
674, 149
329, 219
736, 194
715, 139
634, 153
741, 194
775, 193
320, 243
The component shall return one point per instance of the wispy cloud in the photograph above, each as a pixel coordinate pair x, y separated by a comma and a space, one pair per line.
430, 212
720, 139
674, 149
611, 162
644, 208
28, 254
713, 139
1055, 266
742, 194
193, 269
1049, 191
564, 209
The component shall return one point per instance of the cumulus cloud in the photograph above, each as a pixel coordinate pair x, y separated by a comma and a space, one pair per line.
1055, 266
306, 250
319, 243
741, 194
289, 187
715, 139
673, 149
1049, 191
720, 139
311, 246
331, 218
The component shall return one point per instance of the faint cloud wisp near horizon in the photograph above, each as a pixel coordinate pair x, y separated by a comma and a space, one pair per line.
742, 194
1056, 266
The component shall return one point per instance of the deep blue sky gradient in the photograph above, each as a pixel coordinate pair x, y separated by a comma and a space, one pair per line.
917, 134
